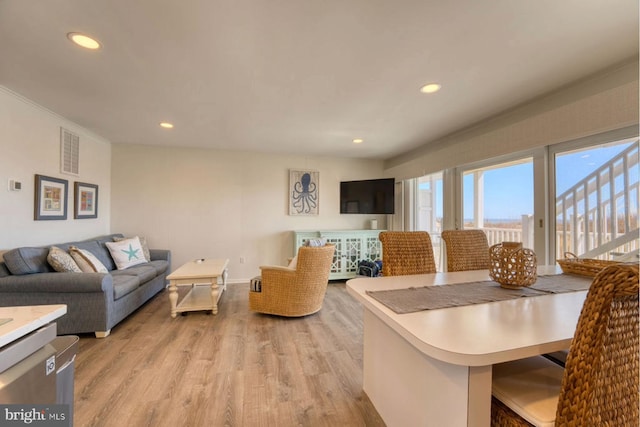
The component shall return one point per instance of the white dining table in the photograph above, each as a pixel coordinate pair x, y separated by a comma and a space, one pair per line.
433, 367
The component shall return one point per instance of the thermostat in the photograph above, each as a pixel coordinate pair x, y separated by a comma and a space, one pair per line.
15, 185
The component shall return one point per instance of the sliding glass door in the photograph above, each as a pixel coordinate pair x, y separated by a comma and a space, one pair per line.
498, 199
580, 196
428, 212
596, 204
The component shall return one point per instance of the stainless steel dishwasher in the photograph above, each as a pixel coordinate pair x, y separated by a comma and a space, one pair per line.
27, 368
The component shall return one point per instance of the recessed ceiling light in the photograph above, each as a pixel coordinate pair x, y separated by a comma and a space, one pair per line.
166, 125
84, 41
430, 88
358, 141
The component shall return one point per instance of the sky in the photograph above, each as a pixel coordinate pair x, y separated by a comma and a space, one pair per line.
508, 191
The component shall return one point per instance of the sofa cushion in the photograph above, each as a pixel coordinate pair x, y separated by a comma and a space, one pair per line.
108, 261
97, 249
124, 284
87, 261
62, 261
27, 260
126, 253
143, 243
160, 265
144, 272
4, 271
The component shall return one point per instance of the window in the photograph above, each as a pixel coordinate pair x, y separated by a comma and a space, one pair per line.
580, 196
596, 204
499, 200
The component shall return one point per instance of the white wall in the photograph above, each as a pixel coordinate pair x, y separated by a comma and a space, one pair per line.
221, 204
604, 102
29, 145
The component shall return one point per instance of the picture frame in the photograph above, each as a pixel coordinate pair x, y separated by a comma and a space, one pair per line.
50, 201
304, 192
85, 202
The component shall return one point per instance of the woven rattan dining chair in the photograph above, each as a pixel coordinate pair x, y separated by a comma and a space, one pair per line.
406, 252
600, 384
295, 292
466, 250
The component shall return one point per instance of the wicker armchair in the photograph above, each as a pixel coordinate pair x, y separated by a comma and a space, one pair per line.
466, 250
406, 252
600, 383
295, 292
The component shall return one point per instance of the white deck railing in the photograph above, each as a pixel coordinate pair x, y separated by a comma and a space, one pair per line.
596, 218
599, 214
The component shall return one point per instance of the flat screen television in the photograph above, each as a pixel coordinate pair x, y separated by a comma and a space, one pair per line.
372, 196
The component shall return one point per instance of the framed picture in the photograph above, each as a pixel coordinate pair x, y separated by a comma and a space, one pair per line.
303, 192
85, 201
50, 198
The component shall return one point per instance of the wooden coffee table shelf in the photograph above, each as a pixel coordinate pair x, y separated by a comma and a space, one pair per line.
202, 275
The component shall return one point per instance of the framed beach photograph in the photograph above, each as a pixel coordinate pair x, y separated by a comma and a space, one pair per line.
303, 192
85, 201
50, 198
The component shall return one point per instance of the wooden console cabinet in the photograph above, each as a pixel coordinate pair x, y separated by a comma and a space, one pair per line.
351, 246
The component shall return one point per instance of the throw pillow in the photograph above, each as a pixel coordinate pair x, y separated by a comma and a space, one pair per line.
256, 284
316, 242
61, 261
126, 253
87, 261
143, 243
294, 262
27, 260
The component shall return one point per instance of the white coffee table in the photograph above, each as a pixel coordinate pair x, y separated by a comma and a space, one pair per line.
202, 275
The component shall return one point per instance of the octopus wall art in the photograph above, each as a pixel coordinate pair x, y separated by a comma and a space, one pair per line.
303, 192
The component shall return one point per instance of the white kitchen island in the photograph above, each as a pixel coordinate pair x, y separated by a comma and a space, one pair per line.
22, 320
433, 367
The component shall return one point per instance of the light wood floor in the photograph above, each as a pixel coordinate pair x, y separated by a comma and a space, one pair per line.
236, 368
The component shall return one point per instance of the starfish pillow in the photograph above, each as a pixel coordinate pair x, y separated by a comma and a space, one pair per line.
126, 253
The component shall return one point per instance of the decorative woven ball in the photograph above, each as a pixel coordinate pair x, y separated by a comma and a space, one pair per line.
512, 265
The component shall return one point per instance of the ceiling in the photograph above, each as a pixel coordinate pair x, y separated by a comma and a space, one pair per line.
302, 76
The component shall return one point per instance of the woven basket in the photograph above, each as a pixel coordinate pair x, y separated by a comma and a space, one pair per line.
512, 265
571, 264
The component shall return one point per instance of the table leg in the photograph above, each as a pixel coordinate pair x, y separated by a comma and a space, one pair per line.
479, 411
214, 295
408, 387
224, 279
173, 298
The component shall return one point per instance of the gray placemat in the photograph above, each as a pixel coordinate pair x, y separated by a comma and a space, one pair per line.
415, 299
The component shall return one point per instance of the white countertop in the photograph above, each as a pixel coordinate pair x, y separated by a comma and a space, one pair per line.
480, 334
26, 319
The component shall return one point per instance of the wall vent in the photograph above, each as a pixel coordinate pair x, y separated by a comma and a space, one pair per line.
69, 152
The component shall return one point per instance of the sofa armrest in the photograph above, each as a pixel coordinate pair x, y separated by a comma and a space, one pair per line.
160, 254
57, 282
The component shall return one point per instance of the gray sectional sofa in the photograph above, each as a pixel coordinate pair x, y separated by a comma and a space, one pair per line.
96, 302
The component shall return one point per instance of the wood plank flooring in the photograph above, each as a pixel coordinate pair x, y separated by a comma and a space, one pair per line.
236, 368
